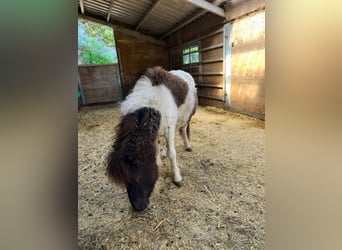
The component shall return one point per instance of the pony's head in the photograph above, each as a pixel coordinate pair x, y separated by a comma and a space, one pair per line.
132, 161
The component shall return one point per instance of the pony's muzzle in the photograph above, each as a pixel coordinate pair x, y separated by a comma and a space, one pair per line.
139, 198
140, 206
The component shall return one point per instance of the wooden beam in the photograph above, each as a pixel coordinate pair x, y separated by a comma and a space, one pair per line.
82, 6
241, 9
156, 3
124, 30
208, 7
192, 18
110, 10
183, 23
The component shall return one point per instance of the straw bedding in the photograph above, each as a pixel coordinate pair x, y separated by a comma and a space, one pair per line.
221, 204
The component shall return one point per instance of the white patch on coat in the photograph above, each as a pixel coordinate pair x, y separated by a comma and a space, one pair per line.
160, 98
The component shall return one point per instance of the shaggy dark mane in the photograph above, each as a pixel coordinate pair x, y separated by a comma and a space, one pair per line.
134, 147
175, 84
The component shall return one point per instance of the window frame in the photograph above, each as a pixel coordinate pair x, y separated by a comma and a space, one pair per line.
114, 48
186, 51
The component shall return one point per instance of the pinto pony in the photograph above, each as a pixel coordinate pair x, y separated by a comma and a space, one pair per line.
160, 102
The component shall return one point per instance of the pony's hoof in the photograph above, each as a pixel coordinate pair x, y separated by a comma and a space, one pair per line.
188, 149
178, 183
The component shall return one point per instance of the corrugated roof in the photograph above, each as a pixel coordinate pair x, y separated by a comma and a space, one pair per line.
157, 18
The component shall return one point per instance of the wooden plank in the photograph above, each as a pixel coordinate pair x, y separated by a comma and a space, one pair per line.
185, 22
190, 19
153, 7
208, 7
220, 45
208, 74
220, 30
211, 97
218, 93
248, 65
212, 103
244, 112
249, 46
248, 95
212, 67
212, 61
211, 54
100, 84
109, 10
245, 8
208, 41
214, 80
209, 86
82, 6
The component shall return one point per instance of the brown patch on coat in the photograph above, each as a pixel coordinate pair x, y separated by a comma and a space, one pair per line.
178, 87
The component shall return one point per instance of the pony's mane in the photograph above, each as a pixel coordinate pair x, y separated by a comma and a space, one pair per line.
134, 145
178, 87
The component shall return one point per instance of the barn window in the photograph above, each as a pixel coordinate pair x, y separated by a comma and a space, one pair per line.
96, 44
191, 54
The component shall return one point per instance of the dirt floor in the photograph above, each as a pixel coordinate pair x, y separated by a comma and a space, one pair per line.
221, 204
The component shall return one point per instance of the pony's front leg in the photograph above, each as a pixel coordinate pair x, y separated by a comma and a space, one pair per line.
171, 152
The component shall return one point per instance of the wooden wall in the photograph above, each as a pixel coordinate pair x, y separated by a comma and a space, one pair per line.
245, 88
136, 54
247, 91
248, 65
100, 83
208, 74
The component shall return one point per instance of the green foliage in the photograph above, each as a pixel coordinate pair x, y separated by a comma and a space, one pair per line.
186, 51
94, 53
103, 32
95, 44
194, 48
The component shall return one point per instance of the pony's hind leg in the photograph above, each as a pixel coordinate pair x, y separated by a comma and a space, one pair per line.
158, 159
171, 153
185, 131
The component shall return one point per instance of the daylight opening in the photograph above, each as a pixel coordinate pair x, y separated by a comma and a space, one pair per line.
96, 44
